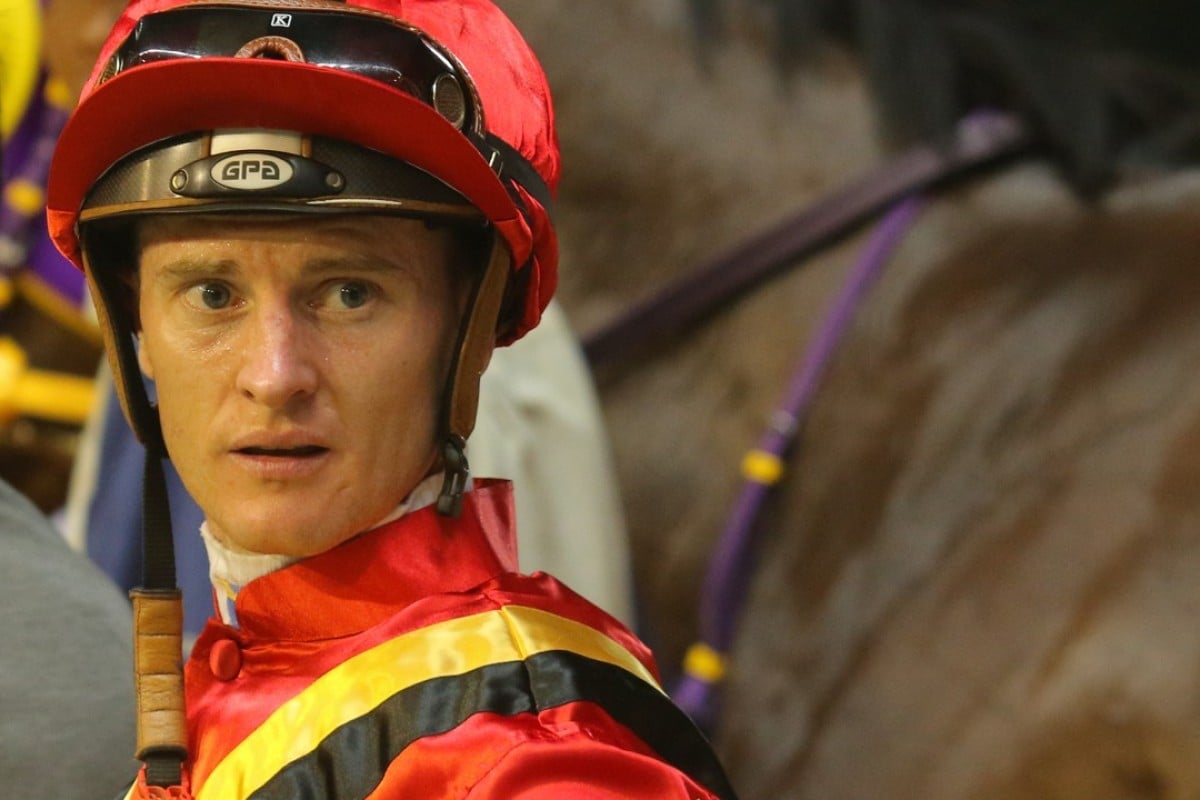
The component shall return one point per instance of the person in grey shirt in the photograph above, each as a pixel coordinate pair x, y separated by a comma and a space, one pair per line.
66, 698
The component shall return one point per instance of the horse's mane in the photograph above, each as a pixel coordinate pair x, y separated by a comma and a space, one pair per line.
1102, 82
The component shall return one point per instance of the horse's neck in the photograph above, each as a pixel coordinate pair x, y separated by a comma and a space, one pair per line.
671, 151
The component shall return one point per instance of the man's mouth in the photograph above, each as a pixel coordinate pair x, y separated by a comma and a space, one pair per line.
303, 451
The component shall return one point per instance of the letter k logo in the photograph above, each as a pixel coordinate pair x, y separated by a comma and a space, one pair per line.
281, 20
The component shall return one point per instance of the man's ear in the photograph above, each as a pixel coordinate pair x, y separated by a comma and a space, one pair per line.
143, 359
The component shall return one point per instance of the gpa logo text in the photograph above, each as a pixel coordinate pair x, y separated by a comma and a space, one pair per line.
251, 172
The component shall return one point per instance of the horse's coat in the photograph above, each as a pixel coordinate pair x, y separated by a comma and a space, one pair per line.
978, 578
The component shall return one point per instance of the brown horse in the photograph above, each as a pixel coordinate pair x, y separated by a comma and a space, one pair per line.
977, 579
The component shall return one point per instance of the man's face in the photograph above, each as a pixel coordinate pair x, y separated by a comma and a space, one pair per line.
299, 367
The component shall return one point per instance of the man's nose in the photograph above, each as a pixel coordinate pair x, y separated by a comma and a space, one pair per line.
277, 362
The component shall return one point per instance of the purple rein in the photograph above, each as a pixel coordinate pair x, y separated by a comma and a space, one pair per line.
731, 563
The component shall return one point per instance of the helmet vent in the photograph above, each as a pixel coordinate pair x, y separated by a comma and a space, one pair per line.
448, 99
279, 48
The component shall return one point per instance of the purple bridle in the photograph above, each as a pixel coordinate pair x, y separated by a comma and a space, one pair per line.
896, 190
982, 140
729, 567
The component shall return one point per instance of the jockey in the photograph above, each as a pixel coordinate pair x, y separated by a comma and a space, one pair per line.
539, 420
308, 223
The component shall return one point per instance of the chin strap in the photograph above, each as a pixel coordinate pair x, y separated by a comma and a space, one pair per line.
157, 603
158, 639
454, 462
476, 341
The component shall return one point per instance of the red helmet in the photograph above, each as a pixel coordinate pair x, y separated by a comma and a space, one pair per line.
449, 87
413, 107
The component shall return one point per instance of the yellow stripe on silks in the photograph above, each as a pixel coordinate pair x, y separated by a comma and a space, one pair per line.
357, 686
762, 467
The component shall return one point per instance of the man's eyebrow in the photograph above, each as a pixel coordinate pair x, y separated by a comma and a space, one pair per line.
192, 266
352, 263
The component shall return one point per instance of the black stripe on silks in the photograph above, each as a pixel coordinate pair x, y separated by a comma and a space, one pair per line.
350, 762
560, 677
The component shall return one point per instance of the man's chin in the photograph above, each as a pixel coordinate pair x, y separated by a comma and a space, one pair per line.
280, 535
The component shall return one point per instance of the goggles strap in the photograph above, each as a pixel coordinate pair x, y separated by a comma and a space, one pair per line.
515, 166
476, 341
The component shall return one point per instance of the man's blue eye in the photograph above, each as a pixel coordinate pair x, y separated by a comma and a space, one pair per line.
354, 295
215, 295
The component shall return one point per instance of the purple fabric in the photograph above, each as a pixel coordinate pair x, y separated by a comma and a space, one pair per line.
47, 263
27, 157
18, 145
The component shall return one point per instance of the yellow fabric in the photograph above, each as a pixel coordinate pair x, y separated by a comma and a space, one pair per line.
355, 687
35, 393
58, 94
20, 59
24, 196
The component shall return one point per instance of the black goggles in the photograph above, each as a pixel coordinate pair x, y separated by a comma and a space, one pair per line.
361, 43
